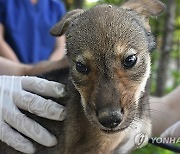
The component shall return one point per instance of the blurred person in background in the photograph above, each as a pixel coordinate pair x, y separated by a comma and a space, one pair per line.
24, 30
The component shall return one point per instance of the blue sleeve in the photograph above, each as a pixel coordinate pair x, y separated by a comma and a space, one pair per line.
61, 10
2, 13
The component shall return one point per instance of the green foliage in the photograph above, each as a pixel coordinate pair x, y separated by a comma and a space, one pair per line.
115, 2
154, 57
88, 5
151, 149
176, 75
158, 31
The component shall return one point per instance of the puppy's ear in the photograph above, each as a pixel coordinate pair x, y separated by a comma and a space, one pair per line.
61, 27
145, 8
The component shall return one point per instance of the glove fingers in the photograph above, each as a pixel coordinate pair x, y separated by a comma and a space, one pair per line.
43, 87
30, 128
39, 106
173, 131
15, 140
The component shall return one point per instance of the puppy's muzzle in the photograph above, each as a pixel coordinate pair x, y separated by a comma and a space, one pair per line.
109, 118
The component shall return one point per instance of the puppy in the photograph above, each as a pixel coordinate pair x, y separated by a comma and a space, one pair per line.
108, 48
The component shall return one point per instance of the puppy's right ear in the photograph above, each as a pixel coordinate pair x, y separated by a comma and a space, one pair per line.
61, 27
145, 8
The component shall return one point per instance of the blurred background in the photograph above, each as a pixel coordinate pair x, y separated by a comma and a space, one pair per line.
165, 74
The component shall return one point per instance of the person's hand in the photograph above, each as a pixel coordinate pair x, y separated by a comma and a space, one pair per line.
15, 92
173, 131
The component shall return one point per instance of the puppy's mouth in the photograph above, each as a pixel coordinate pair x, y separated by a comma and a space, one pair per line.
113, 131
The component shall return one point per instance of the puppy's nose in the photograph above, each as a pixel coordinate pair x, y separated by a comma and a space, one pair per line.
109, 118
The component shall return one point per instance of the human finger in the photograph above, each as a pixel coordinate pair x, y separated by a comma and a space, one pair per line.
37, 105
43, 87
15, 140
30, 129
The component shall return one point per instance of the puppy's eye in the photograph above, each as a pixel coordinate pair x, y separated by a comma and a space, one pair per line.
130, 61
81, 68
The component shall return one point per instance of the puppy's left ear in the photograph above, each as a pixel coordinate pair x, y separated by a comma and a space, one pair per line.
145, 8
61, 27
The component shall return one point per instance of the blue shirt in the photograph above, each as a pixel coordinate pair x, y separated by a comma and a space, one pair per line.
27, 27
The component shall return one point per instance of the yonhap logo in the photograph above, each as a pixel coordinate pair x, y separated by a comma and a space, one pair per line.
141, 139
167, 140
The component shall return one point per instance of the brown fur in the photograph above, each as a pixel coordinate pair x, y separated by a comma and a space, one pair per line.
101, 38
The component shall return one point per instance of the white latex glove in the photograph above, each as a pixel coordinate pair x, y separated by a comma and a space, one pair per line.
15, 92
173, 131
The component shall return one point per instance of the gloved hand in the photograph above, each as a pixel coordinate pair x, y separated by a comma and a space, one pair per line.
15, 92
173, 131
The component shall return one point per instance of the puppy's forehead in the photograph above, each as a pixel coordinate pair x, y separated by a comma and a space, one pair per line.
105, 28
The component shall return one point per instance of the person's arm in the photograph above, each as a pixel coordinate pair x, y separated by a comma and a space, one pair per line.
59, 50
47, 66
165, 111
172, 131
5, 50
9, 67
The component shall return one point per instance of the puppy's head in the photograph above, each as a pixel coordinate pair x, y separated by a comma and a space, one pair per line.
108, 49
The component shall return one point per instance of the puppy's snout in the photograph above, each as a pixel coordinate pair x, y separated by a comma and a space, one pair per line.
109, 118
